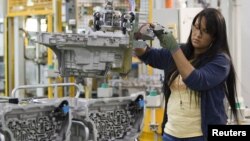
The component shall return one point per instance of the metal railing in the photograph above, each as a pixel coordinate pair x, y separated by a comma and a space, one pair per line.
13, 93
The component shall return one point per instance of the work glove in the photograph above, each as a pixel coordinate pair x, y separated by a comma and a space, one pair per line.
166, 38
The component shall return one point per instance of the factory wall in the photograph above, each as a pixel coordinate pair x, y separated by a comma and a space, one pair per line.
245, 20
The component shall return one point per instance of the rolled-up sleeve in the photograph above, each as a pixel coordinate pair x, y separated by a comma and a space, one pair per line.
210, 75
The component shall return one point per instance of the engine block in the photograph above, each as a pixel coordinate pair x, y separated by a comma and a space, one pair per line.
89, 55
35, 122
74, 119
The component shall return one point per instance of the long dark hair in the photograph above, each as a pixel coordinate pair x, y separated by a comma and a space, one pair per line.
216, 27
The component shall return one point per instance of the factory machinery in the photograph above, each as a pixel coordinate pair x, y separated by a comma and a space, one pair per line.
73, 119
107, 47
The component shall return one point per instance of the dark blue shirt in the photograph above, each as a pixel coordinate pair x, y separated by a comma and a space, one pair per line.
209, 80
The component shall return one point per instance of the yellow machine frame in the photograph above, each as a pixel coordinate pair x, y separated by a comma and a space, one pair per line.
147, 134
20, 8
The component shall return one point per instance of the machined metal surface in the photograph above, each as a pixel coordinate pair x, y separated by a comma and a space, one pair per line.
35, 122
108, 119
73, 119
87, 55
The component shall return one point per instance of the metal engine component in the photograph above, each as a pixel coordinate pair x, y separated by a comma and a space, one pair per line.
108, 119
145, 32
35, 122
92, 54
73, 119
108, 19
87, 55
148, 31
108, 46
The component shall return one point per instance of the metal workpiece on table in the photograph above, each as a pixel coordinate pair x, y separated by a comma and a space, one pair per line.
74, 119
37, 122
